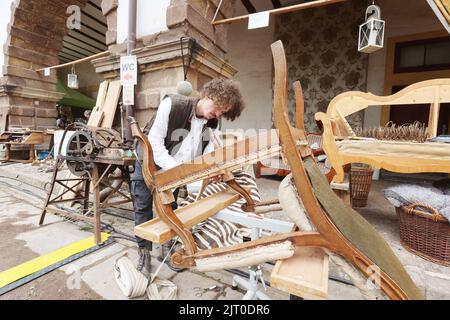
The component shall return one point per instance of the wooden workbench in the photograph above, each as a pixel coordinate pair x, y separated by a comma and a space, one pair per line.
89, 215
28, 139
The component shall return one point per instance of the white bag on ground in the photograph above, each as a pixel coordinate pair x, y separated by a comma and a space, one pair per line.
131, 282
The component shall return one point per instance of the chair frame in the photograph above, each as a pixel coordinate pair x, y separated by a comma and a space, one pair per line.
294, 148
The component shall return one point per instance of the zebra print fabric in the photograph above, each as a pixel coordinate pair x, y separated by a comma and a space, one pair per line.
215, 233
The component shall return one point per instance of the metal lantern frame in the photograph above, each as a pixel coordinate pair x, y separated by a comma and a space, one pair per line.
72, 79
371, 32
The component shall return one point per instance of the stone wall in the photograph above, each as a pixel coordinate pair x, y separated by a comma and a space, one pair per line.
35, 34
160, 59
35, 37
321, 49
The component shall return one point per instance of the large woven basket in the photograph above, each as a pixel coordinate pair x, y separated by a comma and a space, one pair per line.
426, 234
360, 182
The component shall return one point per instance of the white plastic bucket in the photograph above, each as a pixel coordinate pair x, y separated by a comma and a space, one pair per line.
57, 141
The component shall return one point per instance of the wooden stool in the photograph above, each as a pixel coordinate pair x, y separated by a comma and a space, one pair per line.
303, 275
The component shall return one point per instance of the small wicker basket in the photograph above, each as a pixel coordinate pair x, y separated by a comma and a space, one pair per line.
360, 182
425, 234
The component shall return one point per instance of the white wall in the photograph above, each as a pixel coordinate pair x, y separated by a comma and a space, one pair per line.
249, 52
403, 17
151, 18
5, 16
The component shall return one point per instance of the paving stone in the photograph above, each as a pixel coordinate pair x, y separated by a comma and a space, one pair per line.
231, 294
51, 237
341, 291
437, 286
187, 281
95, 257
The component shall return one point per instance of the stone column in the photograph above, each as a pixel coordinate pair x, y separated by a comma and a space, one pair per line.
109, 9
35, 34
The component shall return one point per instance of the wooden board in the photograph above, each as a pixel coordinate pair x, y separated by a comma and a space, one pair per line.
157, 231
110, 105
96, 117
97, 114
305, 274
244, 152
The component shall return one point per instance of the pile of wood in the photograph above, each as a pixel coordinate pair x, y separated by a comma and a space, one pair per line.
416, 132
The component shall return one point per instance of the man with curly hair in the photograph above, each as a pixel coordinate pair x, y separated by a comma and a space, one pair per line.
178, 132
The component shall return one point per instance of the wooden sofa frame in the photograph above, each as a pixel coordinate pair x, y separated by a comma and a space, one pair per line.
330, 234
343, 147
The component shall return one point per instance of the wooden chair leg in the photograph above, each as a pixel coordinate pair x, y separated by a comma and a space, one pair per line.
249, 206
166, 214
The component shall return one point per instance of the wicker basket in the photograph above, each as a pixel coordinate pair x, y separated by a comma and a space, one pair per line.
360, 182
425, 234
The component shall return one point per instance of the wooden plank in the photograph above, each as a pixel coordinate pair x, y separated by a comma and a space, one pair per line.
110, 105
94, 12
89, 41
33, 138
80, 46
96, 117
101, 96
305, 274
84, 59
157, 231
292, 8
70, 215
97, 114
249, 150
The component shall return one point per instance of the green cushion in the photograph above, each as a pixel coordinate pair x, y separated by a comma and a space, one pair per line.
360, 232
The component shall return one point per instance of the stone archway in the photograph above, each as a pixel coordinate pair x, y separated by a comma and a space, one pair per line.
35, 37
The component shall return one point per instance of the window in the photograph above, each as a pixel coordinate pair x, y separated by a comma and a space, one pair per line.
422, 55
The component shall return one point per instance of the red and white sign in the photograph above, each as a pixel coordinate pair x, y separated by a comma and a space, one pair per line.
128, 70
128, 95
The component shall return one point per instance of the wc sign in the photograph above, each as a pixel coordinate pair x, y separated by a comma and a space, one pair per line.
128, 70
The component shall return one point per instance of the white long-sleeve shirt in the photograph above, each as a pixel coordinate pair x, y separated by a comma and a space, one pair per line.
190, 146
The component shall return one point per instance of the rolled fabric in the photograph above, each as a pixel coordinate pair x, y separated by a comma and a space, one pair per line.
131, 282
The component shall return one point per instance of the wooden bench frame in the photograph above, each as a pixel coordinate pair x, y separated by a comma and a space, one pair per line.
294, 148
343, 147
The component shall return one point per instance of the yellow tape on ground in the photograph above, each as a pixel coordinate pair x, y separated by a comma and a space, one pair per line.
32, 266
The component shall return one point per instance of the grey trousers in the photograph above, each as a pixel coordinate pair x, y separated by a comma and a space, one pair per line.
143, 207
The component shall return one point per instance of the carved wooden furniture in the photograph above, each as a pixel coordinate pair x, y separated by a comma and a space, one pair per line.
340, 229
342, 146
219, 162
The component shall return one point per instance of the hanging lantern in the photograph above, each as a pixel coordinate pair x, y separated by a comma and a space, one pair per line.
371, 32
72, 79
185, 87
